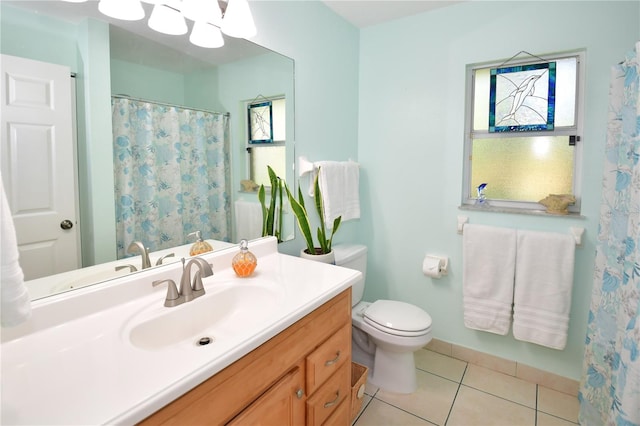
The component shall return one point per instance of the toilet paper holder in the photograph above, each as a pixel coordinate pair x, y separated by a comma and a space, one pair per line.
435, 266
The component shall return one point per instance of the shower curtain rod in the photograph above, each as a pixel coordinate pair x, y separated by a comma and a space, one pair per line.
131, 98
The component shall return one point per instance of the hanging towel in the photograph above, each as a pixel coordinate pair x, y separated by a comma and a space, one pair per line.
248, 220
14, 298
542, 295
488, 272
339, 183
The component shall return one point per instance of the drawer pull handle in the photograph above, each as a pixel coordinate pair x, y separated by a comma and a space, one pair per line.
332, 361
334, 402
300, 393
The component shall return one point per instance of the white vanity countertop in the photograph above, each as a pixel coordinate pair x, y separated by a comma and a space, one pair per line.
73, 361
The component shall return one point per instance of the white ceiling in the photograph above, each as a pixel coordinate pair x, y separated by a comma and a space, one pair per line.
363, 13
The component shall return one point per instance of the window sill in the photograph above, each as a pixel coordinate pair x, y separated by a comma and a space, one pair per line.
511, 210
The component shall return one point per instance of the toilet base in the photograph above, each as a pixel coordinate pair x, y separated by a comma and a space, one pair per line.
394, 371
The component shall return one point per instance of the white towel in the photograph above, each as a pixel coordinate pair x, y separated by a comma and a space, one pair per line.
248, 216
15, 306
542, 295
488, 271
339, 183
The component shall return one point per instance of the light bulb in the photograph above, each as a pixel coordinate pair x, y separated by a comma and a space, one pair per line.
237, 20
206, 35
167, 20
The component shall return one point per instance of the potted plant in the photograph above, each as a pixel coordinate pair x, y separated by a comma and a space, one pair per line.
272, 215
322, 252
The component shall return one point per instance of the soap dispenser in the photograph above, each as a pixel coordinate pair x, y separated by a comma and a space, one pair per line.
199, 246
244, 263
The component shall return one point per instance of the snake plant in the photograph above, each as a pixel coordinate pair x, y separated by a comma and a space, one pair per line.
302, 217
272, 224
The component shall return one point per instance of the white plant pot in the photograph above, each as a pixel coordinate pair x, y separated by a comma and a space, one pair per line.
324, 258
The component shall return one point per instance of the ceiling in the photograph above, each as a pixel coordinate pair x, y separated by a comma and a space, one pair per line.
364, 13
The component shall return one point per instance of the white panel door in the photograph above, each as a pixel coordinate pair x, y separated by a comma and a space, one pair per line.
38, 167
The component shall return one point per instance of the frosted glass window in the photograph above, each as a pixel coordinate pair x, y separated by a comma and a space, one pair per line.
523, 167
267, 155
529, 168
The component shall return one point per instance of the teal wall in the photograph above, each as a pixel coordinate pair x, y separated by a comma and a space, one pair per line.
410, 145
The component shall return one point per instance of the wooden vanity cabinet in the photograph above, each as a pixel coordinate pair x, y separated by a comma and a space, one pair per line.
300, 376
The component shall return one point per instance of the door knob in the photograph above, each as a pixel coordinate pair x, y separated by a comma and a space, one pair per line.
66, 224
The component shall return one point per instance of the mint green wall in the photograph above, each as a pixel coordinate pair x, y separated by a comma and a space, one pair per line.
23, 34
410, 145
140, 81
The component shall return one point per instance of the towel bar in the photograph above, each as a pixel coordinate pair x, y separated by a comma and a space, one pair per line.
575, 231
305, 166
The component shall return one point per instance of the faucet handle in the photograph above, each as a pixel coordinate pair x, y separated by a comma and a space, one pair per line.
131, 268
159, 261
173, 297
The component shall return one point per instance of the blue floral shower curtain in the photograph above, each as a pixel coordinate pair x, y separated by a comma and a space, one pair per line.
172, 174
610, 387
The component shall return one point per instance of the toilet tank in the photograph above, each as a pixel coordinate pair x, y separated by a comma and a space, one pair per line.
353, 256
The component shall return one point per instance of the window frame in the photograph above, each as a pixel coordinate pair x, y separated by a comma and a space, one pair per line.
468, 193
249, 146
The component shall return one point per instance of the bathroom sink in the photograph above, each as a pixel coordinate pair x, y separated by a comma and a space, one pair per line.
231, 309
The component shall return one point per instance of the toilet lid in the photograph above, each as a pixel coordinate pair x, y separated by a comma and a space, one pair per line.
399, 318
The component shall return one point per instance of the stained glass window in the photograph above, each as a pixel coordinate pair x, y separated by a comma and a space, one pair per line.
522, 98
260, 122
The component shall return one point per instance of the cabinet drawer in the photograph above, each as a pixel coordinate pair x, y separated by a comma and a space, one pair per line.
340, 417
328, 358
329, 396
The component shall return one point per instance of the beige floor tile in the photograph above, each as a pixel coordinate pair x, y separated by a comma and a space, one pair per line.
558, 404
473, 407
379, 413
547, 420
502, 385
441, 365
432, 401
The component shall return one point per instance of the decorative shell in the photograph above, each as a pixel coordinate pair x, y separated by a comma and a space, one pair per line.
558, 203
248, 185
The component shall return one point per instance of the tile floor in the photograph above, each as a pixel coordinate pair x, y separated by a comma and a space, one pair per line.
453, 392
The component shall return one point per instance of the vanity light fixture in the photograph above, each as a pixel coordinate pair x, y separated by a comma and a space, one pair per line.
167, 20
210, 17
127, 10
206, 35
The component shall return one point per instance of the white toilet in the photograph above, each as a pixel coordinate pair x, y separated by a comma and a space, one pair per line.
385, 333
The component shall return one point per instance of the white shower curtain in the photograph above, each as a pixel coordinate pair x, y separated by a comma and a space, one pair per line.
610, 387
172, 174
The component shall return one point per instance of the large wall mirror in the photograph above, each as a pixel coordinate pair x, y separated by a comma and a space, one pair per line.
126, 60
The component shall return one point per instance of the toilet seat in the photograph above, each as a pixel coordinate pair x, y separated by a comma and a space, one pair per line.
397, 318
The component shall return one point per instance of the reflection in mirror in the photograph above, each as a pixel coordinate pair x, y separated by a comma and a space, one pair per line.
150, 67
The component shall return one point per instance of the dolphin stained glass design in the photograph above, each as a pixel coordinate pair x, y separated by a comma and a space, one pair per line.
522, 98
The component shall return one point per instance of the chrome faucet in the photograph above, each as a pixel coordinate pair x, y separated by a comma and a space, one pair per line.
137, 247
189, 290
